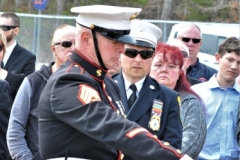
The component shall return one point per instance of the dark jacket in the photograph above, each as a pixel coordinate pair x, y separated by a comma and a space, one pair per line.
24, 116
4, 116
38, 80
81, 115
200, 71
20, 64
192, 80
170, 123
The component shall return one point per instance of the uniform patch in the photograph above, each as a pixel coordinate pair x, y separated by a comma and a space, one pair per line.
135, 132
180, 108
155, 120
87, 94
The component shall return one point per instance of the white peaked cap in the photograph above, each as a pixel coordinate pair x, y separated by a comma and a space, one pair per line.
109, 17
111, 21
145, 33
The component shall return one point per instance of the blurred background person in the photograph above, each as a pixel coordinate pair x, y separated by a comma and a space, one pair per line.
116, 69
186, 60
22, 133
4, 103
18, 62
191, 35
166, 69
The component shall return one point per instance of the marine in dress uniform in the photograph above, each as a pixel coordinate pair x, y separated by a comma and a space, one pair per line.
156, 107
80, 111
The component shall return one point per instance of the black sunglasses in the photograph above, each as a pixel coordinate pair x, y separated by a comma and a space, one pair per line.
65, 44
1, 47
194, 40
7, 28
132, 53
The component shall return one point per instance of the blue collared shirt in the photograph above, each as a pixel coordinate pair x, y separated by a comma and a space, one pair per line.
221, 117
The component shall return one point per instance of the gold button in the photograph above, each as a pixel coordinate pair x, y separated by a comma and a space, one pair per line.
178, 151
76, 66
155, 136
99, 72
166, 143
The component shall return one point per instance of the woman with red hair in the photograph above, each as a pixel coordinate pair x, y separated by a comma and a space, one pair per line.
166, 69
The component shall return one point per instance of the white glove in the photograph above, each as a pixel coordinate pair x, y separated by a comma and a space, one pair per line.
186, 157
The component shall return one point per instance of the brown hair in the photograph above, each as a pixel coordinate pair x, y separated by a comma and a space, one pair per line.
231, 44
13, 16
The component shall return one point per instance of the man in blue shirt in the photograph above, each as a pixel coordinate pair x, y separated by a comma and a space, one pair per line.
221, 95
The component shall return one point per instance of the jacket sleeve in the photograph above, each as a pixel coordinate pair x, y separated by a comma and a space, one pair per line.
14, 81
195, 128
174, 127
29, 67
85, 112
4, 116
16, 140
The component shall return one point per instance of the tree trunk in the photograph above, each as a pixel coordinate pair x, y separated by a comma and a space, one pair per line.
61, 6
167, 10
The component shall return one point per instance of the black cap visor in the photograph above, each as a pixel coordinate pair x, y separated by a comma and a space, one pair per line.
116, 35
144, 44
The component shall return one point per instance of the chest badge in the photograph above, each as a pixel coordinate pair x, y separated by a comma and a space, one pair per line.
156, 114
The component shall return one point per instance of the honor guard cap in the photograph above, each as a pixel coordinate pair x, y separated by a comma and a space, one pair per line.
111, 21
145, 33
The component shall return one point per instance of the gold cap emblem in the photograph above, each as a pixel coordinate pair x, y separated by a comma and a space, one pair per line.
92, 26
99, 72
133, 16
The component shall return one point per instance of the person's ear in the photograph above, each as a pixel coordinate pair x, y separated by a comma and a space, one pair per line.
53, 49
85, 38
217, 58
188, 62
16, 30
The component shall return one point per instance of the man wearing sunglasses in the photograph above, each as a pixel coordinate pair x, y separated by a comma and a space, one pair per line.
151, 105
17, 60
191, 36
80, 111
24, 143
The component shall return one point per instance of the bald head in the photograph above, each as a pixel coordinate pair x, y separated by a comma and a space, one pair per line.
61, 31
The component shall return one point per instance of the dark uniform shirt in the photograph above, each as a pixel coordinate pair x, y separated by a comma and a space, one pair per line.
81, 115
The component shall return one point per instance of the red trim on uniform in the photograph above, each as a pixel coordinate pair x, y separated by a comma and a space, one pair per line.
163, 146
74, 63
135, 132
79, 53
119, 155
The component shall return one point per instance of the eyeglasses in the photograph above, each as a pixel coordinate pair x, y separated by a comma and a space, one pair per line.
65, 44
194, 40
132, 53
184, 54
7, 28
1, 47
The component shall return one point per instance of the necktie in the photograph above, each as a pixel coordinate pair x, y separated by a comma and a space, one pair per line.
133, 96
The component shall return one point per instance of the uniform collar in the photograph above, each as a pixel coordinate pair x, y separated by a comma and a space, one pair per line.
94, 70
